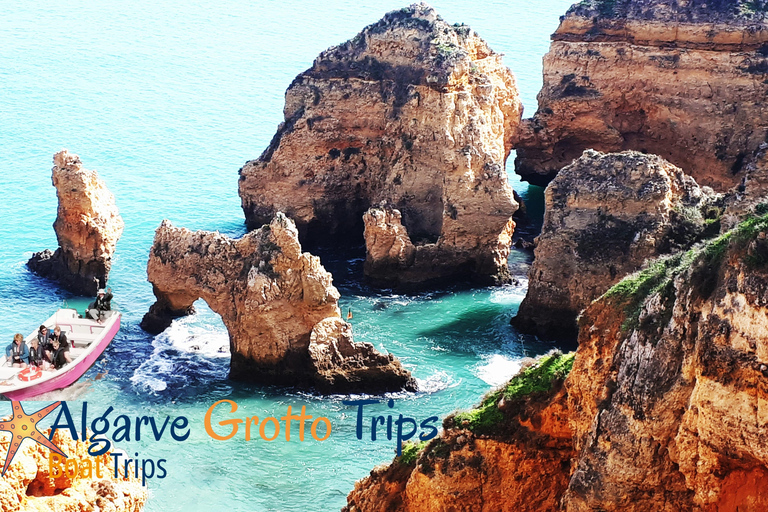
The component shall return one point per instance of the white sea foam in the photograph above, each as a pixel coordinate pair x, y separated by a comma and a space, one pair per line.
510, 294
438, 381
187, 335
497, 369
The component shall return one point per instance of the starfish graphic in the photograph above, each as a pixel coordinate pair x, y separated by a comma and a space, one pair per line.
24, 426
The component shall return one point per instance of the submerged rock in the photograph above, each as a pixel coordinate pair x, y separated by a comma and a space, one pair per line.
28, 485
685, 80
414, 113
664, 408
278, 304
605, 214
87, 227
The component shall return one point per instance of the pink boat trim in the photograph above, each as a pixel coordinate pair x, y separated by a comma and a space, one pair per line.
71, 375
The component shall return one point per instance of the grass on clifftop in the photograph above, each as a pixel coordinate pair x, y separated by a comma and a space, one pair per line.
538, 377
411, 452
659, 275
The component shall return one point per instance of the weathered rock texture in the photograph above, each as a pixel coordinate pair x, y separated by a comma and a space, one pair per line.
666, 400
414, 113
278, 304
87, 227
605, 214
751, 195
29, 487
521, 465
682, 79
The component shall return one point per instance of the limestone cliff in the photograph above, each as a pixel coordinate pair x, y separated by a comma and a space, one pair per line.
278, 304
685, 80
87, 227
28, 485
751, 195
511, 454
605, 214
665, 402
414, 113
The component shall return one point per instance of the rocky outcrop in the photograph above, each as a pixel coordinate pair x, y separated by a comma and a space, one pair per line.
414, 113
511, 454
605, 214
87, 227
28, 486
683, 80
666, 399
278, 304
750, 197
393, 259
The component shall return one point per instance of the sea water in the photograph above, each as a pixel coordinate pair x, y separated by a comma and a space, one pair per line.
166, 100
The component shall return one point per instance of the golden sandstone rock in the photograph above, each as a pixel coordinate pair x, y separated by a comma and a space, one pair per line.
87, 227
414, 113
605, 214
278, 304
664, 408
28, 486
683, 80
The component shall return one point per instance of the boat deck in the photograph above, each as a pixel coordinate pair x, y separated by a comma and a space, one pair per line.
81, 334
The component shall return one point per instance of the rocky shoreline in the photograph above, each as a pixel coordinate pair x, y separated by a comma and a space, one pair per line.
28, 485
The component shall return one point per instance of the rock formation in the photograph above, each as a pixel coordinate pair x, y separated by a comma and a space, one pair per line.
511, 454
28, 486
751, 195
278, 304
685, 80
665, 403
413, 113
605, 214
87, 227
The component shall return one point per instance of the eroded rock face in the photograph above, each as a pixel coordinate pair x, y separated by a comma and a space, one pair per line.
675, 376
605, 214
665, 403
278, 304
393, 259
87, 227
29, 487
751, 195
412, 112
684, 80
524, 465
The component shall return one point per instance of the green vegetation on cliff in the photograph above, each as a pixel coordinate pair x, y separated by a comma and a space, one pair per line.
658, 277
540, 377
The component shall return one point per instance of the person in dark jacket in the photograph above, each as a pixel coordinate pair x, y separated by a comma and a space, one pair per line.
58, 335
43, 340
36, 354
18, 352
102, 303
60, 356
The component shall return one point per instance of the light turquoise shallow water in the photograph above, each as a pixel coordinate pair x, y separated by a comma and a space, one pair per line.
167, 100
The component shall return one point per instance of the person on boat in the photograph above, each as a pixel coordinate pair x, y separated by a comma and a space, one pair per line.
36, 354
58, 335
18, 352
60, 356
44, 340
102, 303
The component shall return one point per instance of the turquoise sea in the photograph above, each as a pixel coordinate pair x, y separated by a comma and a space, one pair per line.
166, 100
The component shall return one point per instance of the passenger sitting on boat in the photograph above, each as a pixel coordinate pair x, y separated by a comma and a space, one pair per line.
58, 335
102, 303
18, 352
61, 355
43, 336
36, 354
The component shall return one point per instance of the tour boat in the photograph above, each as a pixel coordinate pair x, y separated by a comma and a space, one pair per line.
87, 340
